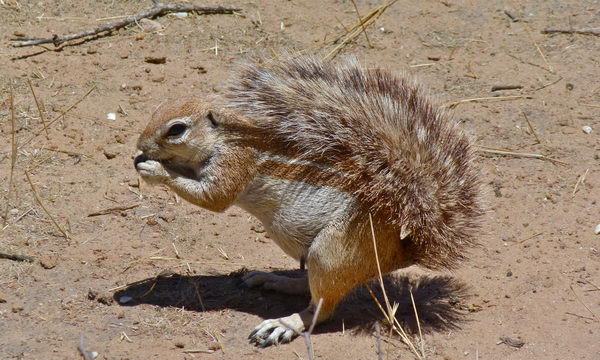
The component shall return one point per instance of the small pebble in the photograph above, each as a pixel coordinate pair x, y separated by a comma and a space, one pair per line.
180, 15
569, 86
111, 116
597, 229
586, 129
148, 25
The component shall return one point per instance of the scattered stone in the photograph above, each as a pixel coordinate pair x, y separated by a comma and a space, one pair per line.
151, 222
2, 298
158, 79
121, 314
19, 34
257, 228
92, 294
148, 25
111, 116
201, 69
509, 273
569, 86
91, 51
180, 15
48, 262
597, 229
17, 308
105, 299
587, 129
517, 343
110, 154
155, 59
179, 344
120, 138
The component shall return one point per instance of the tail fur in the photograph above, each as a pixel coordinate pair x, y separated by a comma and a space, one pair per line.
406, 160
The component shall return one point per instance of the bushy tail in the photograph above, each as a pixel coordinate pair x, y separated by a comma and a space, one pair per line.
405, 160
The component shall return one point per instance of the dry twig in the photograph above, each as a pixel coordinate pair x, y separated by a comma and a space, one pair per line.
594, 32
16, 257
113, 209
159, 9
13, 157
506, 87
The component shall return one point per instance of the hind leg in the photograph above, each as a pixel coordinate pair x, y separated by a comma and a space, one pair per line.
336, 265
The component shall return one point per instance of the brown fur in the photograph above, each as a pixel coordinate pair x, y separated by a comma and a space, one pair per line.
369, 142
366, 123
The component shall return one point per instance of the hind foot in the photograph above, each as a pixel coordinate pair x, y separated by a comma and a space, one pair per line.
280, 283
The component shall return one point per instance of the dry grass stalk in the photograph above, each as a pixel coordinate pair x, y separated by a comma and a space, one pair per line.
362, 24
357, 29
39, 201
67, 152
590, 105
13, 156
549, 84
390, 314
306, 334
37, 104
412, 300
531, 237
531, 128
485, 149
62, 114
580, 180
584, 305
454, 104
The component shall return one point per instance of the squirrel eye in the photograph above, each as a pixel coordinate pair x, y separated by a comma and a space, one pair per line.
176, 129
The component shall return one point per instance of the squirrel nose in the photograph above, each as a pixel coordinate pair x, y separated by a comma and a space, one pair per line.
140, 158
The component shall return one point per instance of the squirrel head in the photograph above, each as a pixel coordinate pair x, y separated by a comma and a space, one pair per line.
183, 135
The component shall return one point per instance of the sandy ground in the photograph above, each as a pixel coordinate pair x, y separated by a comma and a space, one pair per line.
531, 291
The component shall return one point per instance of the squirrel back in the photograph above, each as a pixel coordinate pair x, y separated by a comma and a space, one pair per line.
402, 157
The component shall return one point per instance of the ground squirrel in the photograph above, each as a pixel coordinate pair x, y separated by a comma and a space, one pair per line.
322, 154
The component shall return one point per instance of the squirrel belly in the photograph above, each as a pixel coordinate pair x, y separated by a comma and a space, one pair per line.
294, 202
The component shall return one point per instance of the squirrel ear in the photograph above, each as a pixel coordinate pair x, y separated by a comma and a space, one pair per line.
212, 118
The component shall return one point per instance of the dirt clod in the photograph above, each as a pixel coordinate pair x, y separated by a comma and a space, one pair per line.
48, 262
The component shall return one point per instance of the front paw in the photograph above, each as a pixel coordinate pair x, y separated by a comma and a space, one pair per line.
152, 171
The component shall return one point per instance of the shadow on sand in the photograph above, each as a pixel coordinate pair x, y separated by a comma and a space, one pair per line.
438, 299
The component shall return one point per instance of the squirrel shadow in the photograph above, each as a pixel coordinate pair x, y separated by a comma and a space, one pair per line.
439, 300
